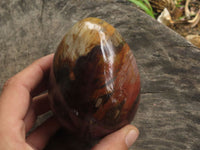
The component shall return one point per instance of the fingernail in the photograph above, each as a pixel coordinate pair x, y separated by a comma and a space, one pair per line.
131, 137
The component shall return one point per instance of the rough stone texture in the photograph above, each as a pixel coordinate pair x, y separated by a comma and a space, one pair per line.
169, 113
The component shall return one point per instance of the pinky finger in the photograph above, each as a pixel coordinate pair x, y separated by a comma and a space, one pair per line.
39, 138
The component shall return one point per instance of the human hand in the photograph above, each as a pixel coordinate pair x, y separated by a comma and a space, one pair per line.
20, 105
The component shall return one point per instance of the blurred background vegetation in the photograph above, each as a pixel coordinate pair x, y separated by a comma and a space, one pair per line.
183, 16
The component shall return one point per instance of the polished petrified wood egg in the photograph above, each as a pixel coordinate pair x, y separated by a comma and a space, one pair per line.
94, 81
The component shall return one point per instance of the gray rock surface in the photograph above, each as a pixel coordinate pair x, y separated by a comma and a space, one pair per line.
169, 113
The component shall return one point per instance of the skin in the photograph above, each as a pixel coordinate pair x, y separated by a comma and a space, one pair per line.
21, 102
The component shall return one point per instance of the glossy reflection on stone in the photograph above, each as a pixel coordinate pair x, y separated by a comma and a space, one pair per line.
94, 82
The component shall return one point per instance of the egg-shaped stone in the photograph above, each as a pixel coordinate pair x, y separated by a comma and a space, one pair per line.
94, 82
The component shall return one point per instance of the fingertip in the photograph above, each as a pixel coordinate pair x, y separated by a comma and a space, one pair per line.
131, 137
119, 140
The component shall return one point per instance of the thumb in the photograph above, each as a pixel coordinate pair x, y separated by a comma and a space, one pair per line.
119, 140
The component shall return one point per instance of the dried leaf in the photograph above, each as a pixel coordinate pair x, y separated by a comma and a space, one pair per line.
165, 18
194, 39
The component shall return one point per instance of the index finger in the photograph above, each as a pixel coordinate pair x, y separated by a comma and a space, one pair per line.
15, 98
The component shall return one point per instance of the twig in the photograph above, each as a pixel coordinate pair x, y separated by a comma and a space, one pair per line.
196, 19
187, 11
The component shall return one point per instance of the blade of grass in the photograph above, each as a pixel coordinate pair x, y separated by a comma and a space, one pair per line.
148, 4
143, 7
